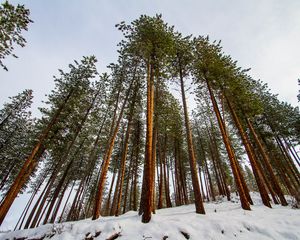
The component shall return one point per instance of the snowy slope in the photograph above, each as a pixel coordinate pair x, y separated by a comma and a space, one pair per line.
223, 220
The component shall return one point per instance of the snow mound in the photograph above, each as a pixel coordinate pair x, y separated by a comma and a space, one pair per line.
223, 220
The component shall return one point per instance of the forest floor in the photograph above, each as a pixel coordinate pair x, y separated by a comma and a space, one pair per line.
223, 220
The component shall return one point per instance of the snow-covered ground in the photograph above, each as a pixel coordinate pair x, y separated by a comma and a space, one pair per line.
223, 220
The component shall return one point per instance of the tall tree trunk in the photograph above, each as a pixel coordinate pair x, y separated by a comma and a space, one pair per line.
254, 164
54, 214
107, 207
30, 163
220, 189
294, 172
80, 201
24, 213
71, 214
3, 181
154, 139
129, 174
293, 151
26, 209
221, 168
161, 178
41, 216
179, 194
233, 163
207, 188
40, 202
56, 192
201, 184
211, 187
136, 163
147, 186
265, 156
202, 163
67, 200
123, 166
107, 157
116, 191
262, 168
166, 178
183, 177
192, 160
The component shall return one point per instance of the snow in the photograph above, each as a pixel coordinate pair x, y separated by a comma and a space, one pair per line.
223, 220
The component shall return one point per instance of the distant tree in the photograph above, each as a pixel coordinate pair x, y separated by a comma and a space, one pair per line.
182, 62
69, 88
14, 108
12, 21
250, 179
209, 66
15, 131
298, 96
115, 125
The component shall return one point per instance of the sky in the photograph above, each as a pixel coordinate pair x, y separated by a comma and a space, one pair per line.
263, 35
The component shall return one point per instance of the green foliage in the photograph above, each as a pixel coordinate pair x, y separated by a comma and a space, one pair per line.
250, 179
149, 38
13, 20
16, 136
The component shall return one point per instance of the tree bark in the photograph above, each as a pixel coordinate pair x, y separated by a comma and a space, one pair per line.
221, 168
192, 160
161, 178
56, 192
29, 164
67, 200
136, 163
26, 209
106, 159
263, 152
232, 160
40, 202
107, 207
147, 186
166, 178
53, 217
129, 175
254, 164
123, 160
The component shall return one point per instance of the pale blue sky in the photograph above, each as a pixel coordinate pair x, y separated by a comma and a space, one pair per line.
261, 34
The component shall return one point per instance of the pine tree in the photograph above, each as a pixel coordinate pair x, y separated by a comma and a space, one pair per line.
183, 61
112, 138
250, 179
208, 68
13, 20
68, 87
149, 39
16, 131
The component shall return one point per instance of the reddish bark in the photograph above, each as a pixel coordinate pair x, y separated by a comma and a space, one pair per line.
106, 159
30, 163
232, 160
192, 159
266, 160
